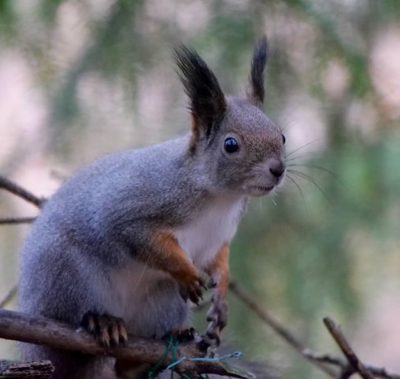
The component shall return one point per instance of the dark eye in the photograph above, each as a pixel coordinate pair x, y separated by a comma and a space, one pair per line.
283, 139
231, 145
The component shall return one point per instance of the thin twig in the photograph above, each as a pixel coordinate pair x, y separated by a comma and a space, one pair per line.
382, 372
377, 371
326, 358
268, 319
16, 220
351, 356
19, 191
320, 360
9, 296
40, 330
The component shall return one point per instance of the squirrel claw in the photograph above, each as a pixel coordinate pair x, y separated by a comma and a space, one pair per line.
193, 290
203, 343
214, 336
218, 313
108, 330
182, 335
217, 316
212, 283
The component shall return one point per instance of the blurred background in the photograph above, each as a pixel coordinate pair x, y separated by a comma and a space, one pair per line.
82, 78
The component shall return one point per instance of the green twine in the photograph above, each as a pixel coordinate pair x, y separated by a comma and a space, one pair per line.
173, 345
174, 356
153, 372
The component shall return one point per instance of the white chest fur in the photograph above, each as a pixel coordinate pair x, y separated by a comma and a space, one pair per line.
203, 236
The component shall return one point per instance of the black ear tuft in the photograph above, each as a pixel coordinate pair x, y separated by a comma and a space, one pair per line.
207, 101
258, 63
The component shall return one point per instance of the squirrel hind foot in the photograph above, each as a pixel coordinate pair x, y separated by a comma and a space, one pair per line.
108, 330
182, 335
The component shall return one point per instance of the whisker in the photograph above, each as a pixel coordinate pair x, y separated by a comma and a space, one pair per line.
302, 147
298, 187
310, 179
260, 204
297, 157
313, 166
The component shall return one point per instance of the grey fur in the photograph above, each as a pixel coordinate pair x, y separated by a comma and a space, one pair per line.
88, 249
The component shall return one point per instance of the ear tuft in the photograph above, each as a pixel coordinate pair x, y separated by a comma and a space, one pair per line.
207, 101
260, 57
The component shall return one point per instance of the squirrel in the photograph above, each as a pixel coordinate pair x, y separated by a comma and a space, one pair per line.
123, 245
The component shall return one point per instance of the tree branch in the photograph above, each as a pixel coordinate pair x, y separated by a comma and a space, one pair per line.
22, 370
321, 361
351, 356
40, 330
380, 372
277, 327
16, 220
10, 294
21, 192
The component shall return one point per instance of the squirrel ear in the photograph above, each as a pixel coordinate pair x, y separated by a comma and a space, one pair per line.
207, 101
260, 55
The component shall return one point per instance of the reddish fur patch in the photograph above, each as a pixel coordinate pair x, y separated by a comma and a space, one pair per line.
168, 256
219, 269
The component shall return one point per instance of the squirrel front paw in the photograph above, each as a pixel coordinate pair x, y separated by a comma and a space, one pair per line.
218, 317
191, 287
108, 330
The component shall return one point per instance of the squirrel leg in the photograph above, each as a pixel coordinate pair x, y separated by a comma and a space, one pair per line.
218, 312
168, 256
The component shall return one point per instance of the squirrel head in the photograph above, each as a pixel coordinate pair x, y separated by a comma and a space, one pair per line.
239, 146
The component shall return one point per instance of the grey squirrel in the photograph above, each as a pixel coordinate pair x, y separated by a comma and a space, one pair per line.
122, 245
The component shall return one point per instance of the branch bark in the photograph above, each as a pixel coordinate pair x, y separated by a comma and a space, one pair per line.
40, 330
18, 370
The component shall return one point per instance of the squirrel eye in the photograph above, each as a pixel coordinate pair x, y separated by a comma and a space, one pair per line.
231, 145
283, 139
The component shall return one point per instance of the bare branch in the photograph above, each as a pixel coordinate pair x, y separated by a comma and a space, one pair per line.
9, 296
382, 372
377, 371
21, 192
16, 220
320, 360
22, 370
40, 330
278, 328
351, 356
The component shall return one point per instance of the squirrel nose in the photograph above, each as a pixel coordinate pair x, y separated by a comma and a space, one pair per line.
276, 168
